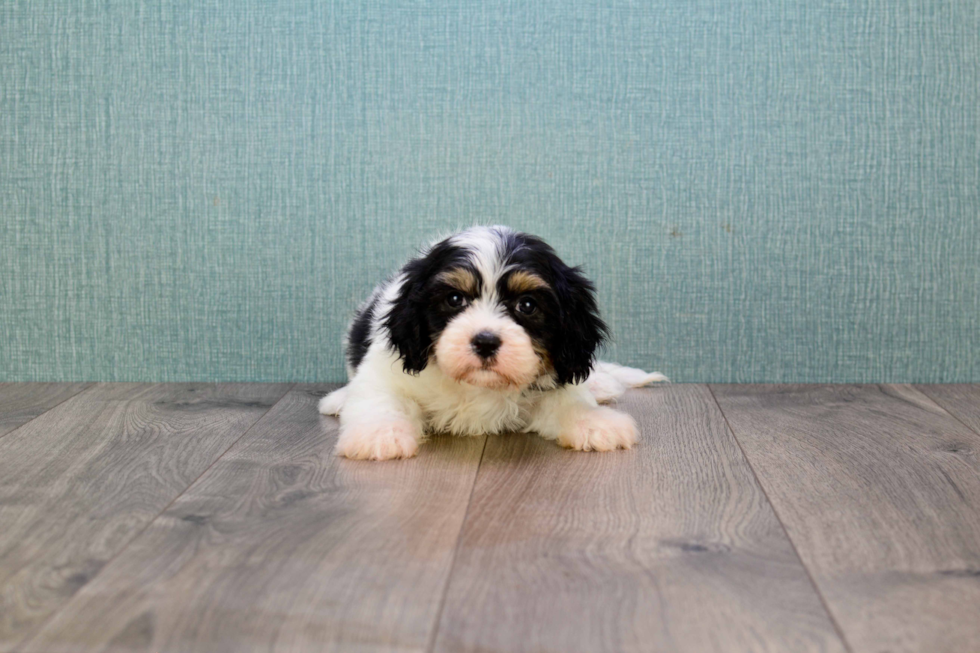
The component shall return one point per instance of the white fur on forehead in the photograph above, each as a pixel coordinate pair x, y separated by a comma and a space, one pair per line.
487, 252
488, 231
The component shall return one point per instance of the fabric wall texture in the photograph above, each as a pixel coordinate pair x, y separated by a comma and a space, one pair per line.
762, 191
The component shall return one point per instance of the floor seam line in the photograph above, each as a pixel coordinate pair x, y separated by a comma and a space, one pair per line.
430, 645
919, 389
68, 398
782, 525
44, 624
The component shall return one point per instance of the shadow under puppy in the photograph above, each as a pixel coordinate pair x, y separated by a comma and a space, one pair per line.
488, 331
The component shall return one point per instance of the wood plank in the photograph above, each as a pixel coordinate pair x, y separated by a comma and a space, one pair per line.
22, 402
283, 546
879, 489
961, 400
80, 481
671, 546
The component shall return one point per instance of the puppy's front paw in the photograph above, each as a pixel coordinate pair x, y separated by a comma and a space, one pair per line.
333, 402
599, 429
381, 440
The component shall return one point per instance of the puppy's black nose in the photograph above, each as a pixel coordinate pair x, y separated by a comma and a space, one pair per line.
485, 344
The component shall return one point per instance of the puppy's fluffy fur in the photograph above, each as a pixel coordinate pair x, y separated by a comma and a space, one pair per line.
487, 331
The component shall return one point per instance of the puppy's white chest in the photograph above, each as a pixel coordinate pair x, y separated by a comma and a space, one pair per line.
468, 410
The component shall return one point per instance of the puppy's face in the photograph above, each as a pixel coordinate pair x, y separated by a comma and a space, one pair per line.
493, 336
495, 309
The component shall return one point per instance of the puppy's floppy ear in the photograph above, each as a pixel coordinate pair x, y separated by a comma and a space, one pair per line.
581, 329
407, 321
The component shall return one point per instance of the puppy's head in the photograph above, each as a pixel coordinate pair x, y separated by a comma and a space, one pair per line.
497, 309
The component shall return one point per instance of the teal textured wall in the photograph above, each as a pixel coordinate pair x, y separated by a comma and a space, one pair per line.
763, 191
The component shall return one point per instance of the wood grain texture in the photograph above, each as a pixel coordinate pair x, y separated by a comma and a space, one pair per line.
669, 547
22, 402
80, 481
961, 400
283, 546
879, 489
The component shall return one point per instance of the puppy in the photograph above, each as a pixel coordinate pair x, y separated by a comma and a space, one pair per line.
488, 331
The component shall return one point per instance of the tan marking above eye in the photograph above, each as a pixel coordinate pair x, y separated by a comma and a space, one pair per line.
460, 279
521, 282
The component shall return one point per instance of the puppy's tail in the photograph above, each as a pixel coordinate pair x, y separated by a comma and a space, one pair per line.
609, 381
333, 402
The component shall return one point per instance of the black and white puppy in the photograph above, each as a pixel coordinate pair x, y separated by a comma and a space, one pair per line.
487, 331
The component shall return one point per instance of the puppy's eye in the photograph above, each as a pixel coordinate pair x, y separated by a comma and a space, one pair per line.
526, 305
455, 299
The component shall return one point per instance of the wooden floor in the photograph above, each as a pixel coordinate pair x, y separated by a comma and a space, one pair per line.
202, 517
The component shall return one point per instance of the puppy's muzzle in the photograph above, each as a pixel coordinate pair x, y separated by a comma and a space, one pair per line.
485, 344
